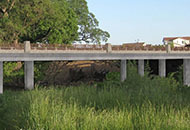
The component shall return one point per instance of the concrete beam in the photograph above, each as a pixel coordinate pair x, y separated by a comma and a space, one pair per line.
1, 77
162, 68
186, 72
29, 75
141, 67
89, 56
123, 70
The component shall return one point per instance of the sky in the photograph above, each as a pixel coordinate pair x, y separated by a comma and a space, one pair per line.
148, 21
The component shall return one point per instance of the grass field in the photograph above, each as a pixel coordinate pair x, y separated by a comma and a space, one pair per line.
149, 103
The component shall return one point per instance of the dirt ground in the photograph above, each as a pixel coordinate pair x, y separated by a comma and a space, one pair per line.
64, 73
77, 72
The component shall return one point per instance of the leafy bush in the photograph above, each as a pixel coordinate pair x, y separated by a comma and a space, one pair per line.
40, 69
14, 73
178, 75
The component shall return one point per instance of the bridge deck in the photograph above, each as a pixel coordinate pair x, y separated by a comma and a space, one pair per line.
90, 56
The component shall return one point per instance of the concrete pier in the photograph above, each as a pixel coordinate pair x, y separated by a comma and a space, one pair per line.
162, 68
1, 77
29, 75
141, 67
123, 69
28, 69
186, 72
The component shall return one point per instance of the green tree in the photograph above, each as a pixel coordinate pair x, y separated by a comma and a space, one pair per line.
6, 6
52, 21
58, 26
37, 20
88, 24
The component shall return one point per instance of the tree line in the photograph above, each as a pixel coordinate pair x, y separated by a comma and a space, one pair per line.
49, 21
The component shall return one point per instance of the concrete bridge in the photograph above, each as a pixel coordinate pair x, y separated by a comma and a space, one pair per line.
29, 54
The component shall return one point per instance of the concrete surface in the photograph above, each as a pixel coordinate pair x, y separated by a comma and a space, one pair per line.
89, 56
29, 75
186, 72
123, 69
162, 68
141, 67
1, 77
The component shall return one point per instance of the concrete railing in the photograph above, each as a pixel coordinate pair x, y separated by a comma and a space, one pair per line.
81, 48
28, 56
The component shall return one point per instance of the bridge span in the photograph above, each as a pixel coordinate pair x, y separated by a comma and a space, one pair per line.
29, 54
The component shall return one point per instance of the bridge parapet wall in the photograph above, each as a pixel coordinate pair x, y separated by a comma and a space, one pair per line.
88, 48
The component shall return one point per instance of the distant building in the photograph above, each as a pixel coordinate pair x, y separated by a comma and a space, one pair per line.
177, 41
137, 44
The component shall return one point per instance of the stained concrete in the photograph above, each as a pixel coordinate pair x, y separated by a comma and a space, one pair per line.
89, 56
29, 75
186, 72
1, 77
123, 69
27, 47
109, 48
162, 68
141, 67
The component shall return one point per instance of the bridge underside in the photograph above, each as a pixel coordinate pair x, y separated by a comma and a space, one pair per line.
29, 72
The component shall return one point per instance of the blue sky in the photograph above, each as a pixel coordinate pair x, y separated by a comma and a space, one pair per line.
146, 20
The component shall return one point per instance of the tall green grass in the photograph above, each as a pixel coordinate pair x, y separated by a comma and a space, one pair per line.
139, 103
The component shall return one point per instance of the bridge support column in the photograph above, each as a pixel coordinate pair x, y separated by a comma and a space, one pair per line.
141, 67
123, 69
29, 75
1, 77
186, 72
162, 68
